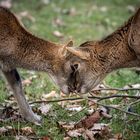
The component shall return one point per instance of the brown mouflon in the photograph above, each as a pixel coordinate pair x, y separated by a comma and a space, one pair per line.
21, 49
93, 60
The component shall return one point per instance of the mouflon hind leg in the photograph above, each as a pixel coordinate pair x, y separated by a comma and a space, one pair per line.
14, 80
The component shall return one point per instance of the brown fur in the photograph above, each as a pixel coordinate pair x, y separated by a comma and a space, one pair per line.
121, 49
21, 49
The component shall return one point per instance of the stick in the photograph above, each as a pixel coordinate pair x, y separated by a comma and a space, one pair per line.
117, 89
122, 96
107, 106
90, 97
135, 102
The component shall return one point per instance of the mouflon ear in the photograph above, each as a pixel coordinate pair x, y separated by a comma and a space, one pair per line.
63, 50
134, 34
80, 53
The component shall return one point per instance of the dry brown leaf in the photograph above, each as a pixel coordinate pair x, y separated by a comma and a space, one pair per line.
62, 94
118, 136
98, 126
67, 138
3, 130
46, 2
89, 121
102, 130
72, 11
26, 82
45, 108
21, 138
66, 126
9, 130
58, 34
76, 133
25, 14
45, 138
103, 9
131, 8
27, 130
89, 134
52, 94
58, 22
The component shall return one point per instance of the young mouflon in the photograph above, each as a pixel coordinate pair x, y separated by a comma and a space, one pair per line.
21, 49
93, 60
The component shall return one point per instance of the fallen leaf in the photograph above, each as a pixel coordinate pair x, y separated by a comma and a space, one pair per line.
118, 136
7, 112
89, 121
3, 130
62, 94
6, 3
58, 34
46, 2
75, 133
27, 130
52, 94
135, 86
45, 108
73, 107
66, 126
89, 134
67, 138
131, 8
98, 126
103, 9
21, 138
71, 11
58, 22
45, 138
25, 14
26, 82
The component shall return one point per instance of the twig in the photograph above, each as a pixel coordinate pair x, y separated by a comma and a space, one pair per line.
90, 97
57, 100
99, 99
127, 112
117, 89
108, 106
122, 96
135, 102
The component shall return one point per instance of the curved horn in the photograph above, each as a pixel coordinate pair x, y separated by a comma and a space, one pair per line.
63, 49
80, 53
69, 44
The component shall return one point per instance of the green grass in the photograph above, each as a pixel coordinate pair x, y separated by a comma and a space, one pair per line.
89, 22
121, 78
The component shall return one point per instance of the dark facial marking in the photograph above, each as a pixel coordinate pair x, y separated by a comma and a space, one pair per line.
74, 78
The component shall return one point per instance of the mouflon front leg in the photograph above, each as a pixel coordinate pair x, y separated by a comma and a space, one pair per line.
14, 80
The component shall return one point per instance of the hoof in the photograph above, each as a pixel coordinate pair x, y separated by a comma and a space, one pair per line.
33, 118
37, 120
